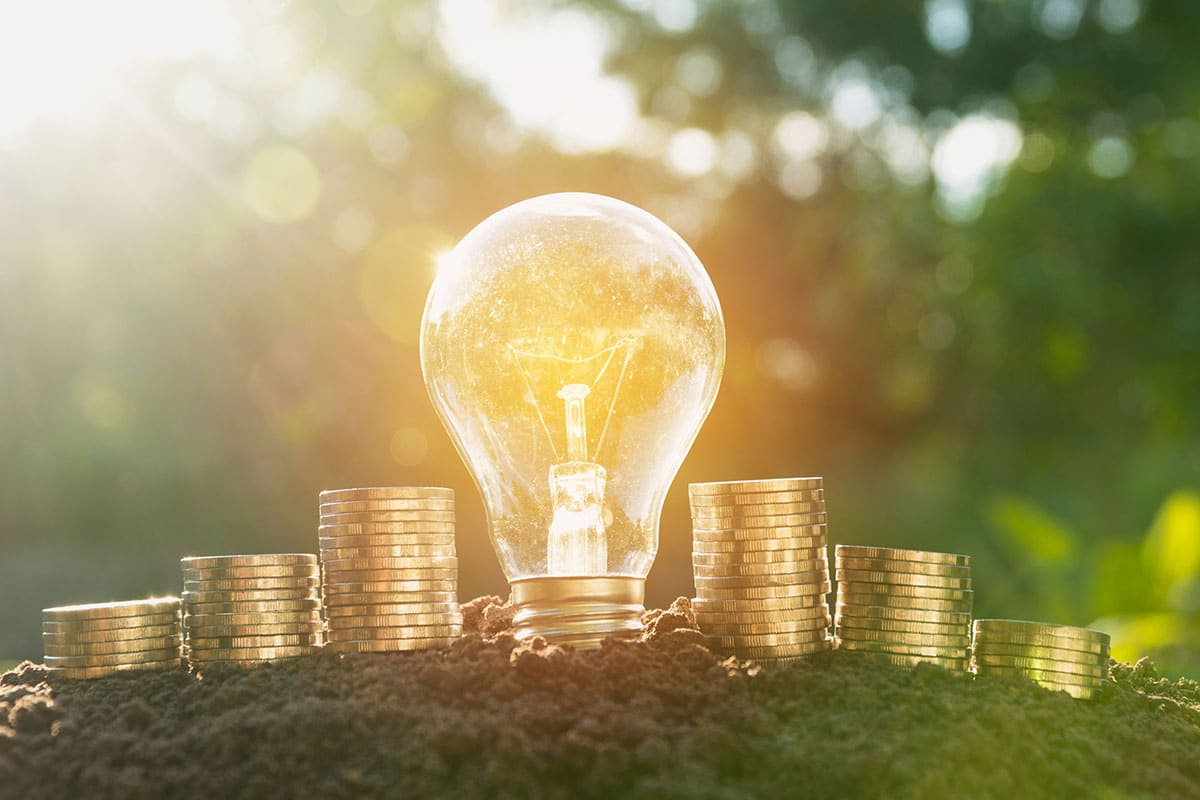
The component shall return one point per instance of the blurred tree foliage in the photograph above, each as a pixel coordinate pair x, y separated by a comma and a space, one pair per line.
955, 242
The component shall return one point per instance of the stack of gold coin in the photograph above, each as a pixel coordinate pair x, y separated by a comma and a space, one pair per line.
246, 609
91, 641
760, 566
391, 574
1059, 657
904, 606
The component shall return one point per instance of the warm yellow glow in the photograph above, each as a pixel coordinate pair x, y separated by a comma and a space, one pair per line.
64, 59
573, 345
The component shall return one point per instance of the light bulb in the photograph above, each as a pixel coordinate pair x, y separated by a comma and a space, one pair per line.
573, 345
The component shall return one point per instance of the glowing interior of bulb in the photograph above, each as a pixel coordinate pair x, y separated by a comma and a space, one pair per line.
573, 345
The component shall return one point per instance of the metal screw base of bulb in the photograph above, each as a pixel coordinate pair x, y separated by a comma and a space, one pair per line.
579, 610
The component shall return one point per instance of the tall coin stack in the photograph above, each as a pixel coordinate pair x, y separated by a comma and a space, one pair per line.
1059, 657
760, 567
904, 606
91, 641
391, 574
245, 609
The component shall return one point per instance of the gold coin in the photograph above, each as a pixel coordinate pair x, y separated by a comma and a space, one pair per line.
807, 578
780, 567
361, 517
252, 653
112, 659
393, 609
851, 597
389, 645
756, 510
393, 620
775, 616
390, 587
111, 648
896, 648
303, 617
1034, 651
234, 573
763, 605
781, 533
89, 673
768, 521
894, 554
1041, 675
366, 634
256, 641
387, 551
359, 599
405, 532
899, 579
334, 575
411, 563
902, 567
765, 485
755, 628
759, 548
203, 632
1003, 628
386, 493
105, 637
904, 626
766, 592
904, 590
756, 498
109, 626
759, 557
956, 640
1045, 664
780, 651
257, 584
1032, 640
191, 598
123, 608
375, 506
906, 614
897, 660
253, 607
248, 560
734, 642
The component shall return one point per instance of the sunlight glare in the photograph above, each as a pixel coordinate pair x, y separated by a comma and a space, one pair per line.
547, 73
61, 60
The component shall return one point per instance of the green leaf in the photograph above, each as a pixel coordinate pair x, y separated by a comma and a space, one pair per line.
1034, 532
1171, 549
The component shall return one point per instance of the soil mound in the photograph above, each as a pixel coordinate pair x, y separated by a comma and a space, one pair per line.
659, 718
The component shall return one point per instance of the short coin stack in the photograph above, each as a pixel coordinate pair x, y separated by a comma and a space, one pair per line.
91, 641
904, 606
245, 609
391, 574
1072, 660
761, 567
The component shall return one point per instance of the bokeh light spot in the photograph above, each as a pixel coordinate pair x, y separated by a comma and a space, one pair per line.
692, 152
936, 330
947, 26
281, 184
409, 447
1118, 16
1037, 152
785, 360
1110, 156
800, 135
100, 404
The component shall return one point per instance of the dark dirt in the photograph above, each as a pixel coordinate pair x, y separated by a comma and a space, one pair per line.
663, 718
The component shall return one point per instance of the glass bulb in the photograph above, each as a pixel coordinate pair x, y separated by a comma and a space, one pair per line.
573, 345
